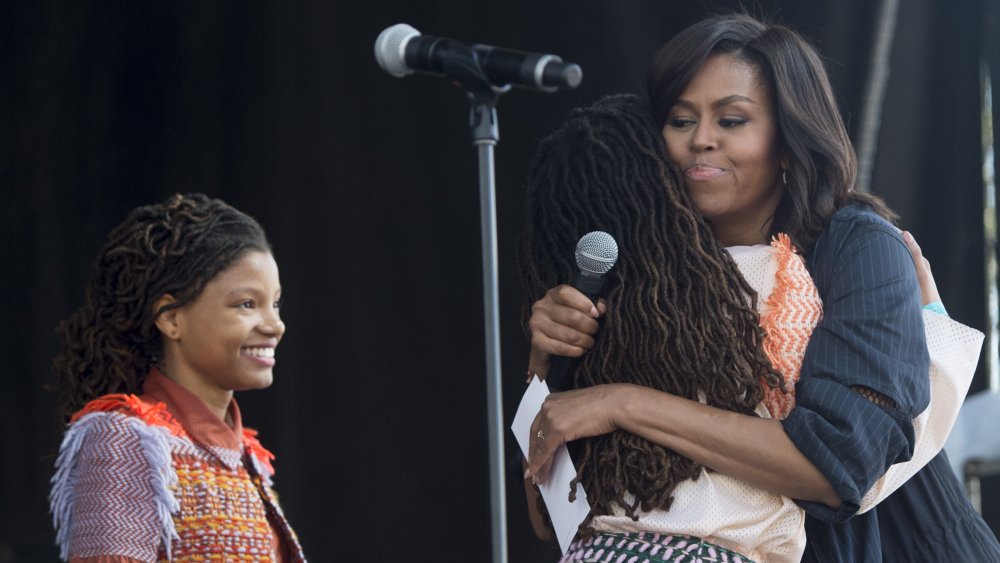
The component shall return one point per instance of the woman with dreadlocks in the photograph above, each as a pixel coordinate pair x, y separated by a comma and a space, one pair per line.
748, 117
155, 463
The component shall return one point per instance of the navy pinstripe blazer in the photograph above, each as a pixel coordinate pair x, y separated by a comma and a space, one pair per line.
872, 335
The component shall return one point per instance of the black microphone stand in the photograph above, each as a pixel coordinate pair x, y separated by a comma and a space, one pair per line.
463, 66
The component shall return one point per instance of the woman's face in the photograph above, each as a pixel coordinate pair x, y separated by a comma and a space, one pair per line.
722, 134
227, 336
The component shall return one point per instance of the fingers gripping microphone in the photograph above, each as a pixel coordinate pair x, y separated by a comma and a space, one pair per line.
596, 254
401, 50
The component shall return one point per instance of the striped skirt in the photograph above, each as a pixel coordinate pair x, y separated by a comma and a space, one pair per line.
647, 547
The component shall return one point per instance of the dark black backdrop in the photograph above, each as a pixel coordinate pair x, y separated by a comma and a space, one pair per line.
367, 186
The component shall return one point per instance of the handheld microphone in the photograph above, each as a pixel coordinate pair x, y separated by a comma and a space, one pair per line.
400, 50
596, 254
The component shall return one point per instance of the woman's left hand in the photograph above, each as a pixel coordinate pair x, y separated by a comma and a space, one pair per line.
568, 416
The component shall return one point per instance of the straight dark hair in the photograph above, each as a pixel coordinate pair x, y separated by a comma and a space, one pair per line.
822, 166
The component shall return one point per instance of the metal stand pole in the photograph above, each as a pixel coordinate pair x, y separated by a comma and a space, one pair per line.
463, 67
485, 134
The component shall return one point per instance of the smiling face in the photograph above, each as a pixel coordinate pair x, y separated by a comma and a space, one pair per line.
722, 134
225, 339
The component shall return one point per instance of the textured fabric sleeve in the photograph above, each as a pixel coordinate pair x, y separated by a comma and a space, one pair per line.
111, 493
954, 351
871, 337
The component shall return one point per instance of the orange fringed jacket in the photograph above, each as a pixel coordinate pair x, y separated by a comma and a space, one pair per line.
159, 477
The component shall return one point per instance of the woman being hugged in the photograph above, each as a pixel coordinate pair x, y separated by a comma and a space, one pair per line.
155, 464
749, 118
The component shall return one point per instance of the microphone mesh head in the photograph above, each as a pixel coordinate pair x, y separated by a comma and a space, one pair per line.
390, 47
596, 252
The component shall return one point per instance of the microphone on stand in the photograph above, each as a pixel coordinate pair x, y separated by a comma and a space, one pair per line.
484, 73
596, 254
400, 50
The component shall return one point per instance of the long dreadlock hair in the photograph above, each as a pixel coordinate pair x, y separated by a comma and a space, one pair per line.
680, 317
175, 247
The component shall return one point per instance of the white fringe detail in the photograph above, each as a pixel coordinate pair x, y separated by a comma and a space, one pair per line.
155, 444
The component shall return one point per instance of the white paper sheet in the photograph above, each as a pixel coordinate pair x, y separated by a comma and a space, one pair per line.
566, 516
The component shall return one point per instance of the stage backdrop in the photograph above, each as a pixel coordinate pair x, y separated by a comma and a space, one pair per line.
367, 186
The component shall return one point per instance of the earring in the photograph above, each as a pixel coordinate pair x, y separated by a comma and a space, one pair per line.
784, 177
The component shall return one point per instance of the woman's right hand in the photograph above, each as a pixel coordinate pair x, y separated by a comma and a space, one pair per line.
563, 323
928, 288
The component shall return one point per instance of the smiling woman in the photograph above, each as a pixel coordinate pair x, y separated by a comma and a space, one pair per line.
224, 340
155, 464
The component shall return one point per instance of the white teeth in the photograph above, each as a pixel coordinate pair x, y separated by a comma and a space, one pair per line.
261, 352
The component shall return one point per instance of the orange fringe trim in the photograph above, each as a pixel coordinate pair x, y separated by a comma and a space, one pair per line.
154, 414
253, 445
794, 309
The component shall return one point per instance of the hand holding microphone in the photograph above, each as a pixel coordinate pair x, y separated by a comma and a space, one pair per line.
564, 322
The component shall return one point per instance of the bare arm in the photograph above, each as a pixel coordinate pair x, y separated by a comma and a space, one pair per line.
752, 449
745, 447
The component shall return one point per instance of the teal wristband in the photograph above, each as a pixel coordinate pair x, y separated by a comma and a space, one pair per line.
936, 307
